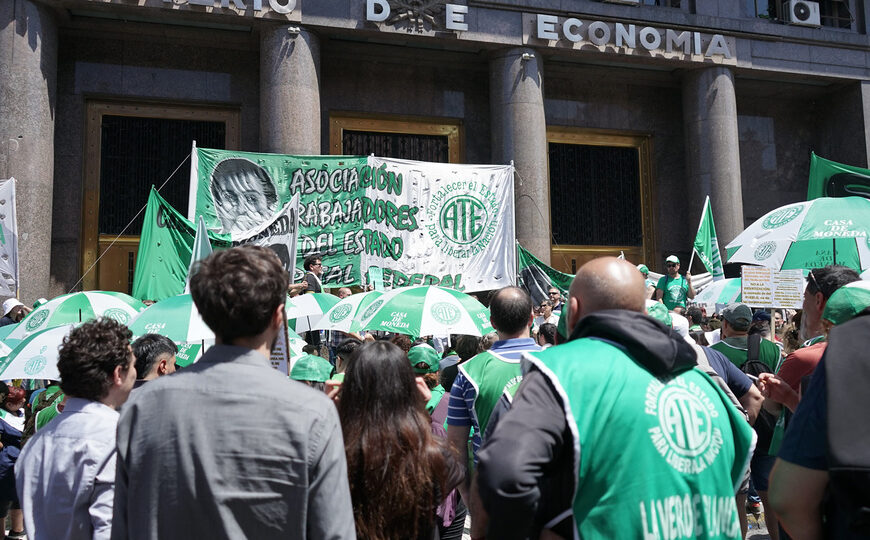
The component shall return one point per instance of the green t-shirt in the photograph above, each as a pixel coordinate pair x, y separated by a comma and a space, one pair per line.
674, 291
735, 349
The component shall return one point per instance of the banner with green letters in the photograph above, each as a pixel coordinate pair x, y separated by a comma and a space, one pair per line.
418, 222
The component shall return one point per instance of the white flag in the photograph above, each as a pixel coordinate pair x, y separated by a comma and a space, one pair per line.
8, 239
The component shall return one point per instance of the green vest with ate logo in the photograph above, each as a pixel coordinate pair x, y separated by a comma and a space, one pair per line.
655, 458
490, 374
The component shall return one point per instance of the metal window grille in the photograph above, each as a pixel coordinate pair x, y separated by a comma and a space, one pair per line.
595, 195
432, 148
137, 153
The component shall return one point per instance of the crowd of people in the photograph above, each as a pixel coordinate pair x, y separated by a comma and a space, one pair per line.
619, 411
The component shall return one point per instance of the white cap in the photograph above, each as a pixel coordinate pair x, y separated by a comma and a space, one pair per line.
9, 304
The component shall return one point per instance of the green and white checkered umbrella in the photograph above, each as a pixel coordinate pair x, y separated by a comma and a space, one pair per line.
310, 305
427, 310
344, 315
36, 356
76, 308
722, 292
810, 234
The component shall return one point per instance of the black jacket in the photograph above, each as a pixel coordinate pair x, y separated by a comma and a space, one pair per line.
526, 477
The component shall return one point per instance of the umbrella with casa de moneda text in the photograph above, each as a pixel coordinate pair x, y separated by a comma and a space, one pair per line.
426, 310
809, 234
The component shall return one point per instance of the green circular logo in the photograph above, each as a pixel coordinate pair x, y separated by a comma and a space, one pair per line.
117, 314
340, 313
781, 217
372, 308
445, 313
462, 219
36, 320
765, 250
35, 365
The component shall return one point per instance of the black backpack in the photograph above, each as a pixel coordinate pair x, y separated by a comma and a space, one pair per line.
847, 374
765, 423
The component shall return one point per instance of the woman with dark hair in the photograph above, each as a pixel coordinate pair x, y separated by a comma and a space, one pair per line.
399, 472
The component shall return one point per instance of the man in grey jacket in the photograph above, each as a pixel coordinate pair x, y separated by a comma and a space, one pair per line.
230, 447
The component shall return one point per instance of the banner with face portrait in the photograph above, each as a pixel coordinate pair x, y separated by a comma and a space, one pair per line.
167, 244
237, 191
416, 222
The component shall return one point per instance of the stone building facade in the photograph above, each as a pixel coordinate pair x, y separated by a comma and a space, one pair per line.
623, 114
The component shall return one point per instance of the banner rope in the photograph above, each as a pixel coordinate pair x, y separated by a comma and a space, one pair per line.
88, 271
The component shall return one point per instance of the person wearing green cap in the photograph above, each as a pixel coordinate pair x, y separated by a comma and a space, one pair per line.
650, 284
821, 467
312, 370
672, 288
425, 361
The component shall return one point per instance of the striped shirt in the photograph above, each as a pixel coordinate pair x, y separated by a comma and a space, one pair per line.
463, 393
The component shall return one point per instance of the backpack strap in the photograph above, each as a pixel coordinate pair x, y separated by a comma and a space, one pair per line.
754, 348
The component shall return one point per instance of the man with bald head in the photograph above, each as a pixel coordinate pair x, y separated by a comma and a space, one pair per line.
614, 434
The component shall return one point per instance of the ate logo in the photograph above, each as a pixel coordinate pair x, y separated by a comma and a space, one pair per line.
765, 250
463, 219
781, 217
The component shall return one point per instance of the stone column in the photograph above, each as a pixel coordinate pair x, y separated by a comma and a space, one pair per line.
28, 90
712, 150
519, 133
289, 91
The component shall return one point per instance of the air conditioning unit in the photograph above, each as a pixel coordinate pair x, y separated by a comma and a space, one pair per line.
802, 13
626, 2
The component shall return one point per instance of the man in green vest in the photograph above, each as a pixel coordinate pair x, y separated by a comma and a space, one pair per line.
652, 445
736, 320
483, 379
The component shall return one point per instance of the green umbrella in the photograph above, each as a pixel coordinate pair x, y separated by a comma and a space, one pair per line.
427, 310
78, 307
344, 315
810, 234
36, 356
723, 291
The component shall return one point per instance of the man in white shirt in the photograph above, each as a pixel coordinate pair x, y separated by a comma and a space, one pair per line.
65, 475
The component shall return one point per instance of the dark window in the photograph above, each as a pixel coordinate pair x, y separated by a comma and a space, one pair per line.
835, 14
432, 148
137, 153
595, 195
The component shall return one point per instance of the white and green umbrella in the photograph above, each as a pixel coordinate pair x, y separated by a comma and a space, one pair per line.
865, 275
722, 292
810, 234
178, 319
344, 315
76, 308
36, 356
427, 310
310, 305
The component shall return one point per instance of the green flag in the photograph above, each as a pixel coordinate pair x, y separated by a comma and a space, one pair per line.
707, 245
536, 277
165, 249
831, 179
201, 249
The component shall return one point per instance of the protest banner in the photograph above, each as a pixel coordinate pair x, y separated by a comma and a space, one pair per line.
831, 179
420, 223
167, 241
769, 288
536, 277
8, 239
454, 226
